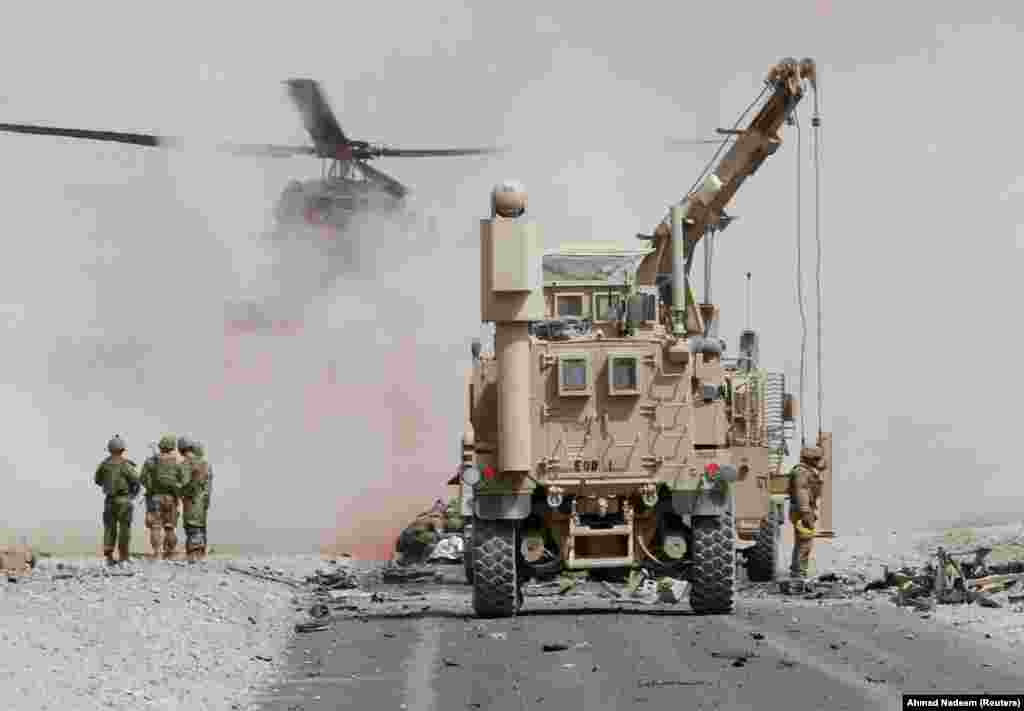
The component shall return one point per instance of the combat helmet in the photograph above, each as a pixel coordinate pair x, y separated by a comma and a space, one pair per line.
197, 448
184, 444
116, 444
167, 443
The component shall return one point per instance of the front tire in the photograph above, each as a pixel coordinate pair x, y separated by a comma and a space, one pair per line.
467, 551
714, 565
496, 591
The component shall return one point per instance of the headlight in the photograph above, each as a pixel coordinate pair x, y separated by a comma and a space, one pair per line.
471, 475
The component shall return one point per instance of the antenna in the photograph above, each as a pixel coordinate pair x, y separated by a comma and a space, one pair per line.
748, 301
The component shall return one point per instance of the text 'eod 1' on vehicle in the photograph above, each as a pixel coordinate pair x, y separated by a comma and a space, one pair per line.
607, 430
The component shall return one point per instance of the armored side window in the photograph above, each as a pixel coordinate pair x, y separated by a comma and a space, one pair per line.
574, 375
568, 305
623, 374
606, 306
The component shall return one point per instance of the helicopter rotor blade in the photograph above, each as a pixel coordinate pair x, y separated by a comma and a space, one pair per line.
317, 116
386, 152
688, 142
138, 139
266, 149
386, 182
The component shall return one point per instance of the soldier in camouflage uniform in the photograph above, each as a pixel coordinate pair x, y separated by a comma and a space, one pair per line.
196, 501
804, 490
163, 476
417, 541
120, 483
184, 444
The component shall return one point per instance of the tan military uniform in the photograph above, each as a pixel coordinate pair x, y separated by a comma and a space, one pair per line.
163, 476
804, 492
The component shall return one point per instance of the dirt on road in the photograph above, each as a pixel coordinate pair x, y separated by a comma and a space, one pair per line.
300, 633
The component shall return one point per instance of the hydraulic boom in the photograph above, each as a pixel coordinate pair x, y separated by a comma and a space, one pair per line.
703, 209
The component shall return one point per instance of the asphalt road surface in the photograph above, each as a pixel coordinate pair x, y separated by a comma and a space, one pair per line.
418, 648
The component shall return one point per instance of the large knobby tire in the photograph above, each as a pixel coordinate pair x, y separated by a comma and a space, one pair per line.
761, 557
467, 552
496, 591
712, 584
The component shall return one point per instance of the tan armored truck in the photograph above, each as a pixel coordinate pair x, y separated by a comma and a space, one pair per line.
606, 430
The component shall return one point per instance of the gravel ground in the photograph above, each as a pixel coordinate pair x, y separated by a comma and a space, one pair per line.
867, 554
166, 636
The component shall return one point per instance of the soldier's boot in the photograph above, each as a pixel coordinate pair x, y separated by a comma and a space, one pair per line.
109, 555
123, 553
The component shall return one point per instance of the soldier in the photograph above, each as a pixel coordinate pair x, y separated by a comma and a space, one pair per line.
163, 476
804, 490
120, 484
184, 443
417, 541
196, 501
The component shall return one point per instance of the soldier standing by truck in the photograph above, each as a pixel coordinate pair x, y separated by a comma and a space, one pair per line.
163, 476
804, 491
196, 501
120, 484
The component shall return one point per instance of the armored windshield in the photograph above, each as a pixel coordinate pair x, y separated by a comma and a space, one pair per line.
612, 269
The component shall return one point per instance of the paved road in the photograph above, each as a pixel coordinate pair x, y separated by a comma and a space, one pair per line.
420, 650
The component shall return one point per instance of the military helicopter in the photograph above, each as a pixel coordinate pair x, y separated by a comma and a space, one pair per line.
347, 185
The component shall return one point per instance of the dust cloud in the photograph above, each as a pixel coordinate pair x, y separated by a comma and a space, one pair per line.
340, 411
343, 416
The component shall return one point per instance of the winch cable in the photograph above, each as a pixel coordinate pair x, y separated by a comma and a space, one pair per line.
800, 282
691, 240
816, 127
728, 138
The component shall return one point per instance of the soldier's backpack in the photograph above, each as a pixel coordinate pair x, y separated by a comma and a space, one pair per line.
166, 477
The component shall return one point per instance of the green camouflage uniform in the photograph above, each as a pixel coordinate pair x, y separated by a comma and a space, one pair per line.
163, 475
196, 501
417, 541
120, 482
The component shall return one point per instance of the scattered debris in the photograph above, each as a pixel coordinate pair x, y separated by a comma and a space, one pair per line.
319, 610
265, 576
16, 560
407, 575
735, 656
311, 627
555, 647
335, 576
449, 549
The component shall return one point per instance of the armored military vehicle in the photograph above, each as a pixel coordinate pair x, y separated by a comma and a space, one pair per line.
607, 429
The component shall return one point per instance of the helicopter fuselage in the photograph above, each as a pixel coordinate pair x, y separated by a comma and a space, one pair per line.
332, 201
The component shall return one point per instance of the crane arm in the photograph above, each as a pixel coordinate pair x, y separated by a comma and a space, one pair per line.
703, 208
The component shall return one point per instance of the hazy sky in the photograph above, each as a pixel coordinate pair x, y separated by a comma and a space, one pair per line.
119, 259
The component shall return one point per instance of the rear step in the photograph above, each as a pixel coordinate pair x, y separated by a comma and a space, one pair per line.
578, 530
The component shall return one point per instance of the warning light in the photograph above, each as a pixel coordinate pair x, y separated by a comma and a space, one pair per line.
489, 472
